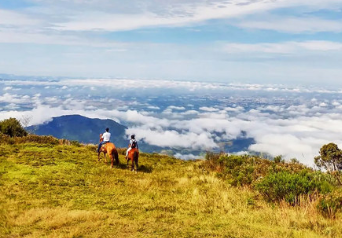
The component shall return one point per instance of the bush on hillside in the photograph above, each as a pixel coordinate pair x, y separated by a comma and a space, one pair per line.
240, 170
75, 143
330, 159
287, 186
37, 139
330, 204
5, 139
12, 128
279, 159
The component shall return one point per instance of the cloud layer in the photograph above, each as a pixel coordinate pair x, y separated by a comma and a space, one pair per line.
293, 122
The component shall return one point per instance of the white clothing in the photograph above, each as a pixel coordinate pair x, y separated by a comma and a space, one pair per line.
130, 144
128, 151
106, 136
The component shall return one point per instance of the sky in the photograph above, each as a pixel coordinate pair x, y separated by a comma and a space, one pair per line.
246, 41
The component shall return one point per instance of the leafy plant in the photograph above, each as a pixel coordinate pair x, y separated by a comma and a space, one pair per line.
330, 159
291, 186
330, 204
12, 128
279, 159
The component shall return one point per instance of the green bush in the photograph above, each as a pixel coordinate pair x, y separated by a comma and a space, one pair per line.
238, 169
330, 159
287, 186
75, 143
278, 159
212, 161
38, 139
330, 204
12, 128
241, 170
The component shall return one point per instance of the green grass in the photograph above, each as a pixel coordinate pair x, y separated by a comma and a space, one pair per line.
62, 191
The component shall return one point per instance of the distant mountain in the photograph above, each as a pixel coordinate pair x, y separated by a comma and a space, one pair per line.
82, 129
87, 130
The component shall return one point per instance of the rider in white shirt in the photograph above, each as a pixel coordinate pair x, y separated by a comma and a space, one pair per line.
106, 138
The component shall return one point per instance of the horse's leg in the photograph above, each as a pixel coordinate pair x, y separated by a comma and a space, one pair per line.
136, 162
135, 158
105, 156
116, 156
132, 167
112, 160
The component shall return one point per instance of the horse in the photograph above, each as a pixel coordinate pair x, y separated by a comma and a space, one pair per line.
133, 156
104, 152
109, 148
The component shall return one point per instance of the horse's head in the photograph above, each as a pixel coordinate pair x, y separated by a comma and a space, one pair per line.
101, 139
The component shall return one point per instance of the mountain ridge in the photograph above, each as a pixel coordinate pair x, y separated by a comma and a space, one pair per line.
86, 130
83, 129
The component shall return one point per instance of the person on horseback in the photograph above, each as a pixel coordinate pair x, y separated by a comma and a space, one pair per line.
132, 144
105, 137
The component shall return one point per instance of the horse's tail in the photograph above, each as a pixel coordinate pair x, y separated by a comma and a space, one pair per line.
115, 155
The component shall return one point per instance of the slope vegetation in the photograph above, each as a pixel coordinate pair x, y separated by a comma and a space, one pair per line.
59, 190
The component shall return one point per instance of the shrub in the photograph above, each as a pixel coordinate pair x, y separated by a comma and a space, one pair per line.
238, 169
5, 139
75, 143
287, 186
12, 128
212, 162
330, 159
246, 169
278, 159
37, 139
330, 204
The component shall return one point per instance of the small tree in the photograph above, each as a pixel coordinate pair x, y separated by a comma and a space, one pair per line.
330, 159
12, 127
278, 159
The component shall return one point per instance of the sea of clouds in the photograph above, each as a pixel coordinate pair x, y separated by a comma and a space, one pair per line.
290, 121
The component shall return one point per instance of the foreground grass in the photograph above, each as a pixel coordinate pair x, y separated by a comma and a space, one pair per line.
61, 191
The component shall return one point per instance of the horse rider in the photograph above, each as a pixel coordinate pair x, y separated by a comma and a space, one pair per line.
105, 137
132, 144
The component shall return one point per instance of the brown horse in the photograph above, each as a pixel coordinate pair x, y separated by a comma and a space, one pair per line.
133, 156
109, 148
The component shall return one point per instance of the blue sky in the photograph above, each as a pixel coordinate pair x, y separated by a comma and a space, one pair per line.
260, 41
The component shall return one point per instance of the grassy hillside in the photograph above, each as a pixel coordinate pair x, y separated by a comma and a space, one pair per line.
53, 190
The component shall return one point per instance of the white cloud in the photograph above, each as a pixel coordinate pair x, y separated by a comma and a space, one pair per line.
208, 109
294, 25
291, 47
289, 130
174, 13
187, 156
117, 83
153, 107
12, 18
168, 138
176, 108
299, 137
119, 16
13, 98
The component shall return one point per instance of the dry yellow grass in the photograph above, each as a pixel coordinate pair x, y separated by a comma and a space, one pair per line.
61, 191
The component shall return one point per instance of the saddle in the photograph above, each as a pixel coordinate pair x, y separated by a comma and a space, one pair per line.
104, 144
